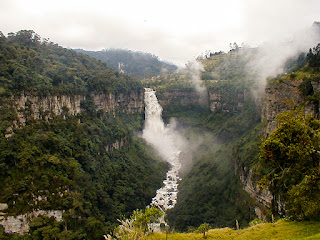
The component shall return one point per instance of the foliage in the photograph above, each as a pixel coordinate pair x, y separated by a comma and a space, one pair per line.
204, 227
313, 57
210, 192
246, 152
69, 163
255, 221
137, 64
303, 198
295, 63
136, 227
282, 230
29, 64
63, 164
143, 218
290, 162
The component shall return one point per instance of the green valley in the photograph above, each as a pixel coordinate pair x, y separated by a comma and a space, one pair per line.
74, 163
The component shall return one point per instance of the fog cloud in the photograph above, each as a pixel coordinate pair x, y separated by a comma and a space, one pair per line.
270, 58
194, 70
176, 31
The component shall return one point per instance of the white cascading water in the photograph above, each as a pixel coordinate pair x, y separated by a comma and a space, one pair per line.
168, 143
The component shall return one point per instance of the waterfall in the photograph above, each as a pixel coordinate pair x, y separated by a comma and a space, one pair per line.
167, 142
153, 113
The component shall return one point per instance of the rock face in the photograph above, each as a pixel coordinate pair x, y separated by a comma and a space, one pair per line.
20, 223
225, 102
181, 98
217, 100
118, 144
45, 107
50, 104
263, 196
280, 98
110, 103
119, 103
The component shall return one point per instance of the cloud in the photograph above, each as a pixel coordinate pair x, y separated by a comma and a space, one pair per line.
176, 31
273, 20
270, 58
194, 70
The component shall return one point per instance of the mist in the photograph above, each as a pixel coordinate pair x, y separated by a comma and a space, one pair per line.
173, 30
270, 58
194, 70
165, 139
170, 140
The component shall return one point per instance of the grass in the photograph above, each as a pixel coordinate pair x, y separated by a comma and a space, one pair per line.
280, 230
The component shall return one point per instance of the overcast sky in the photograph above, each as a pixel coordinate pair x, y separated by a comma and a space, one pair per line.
174, 30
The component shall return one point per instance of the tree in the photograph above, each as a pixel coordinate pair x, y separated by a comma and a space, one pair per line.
290, 155
313, 56
303, 198
136, 226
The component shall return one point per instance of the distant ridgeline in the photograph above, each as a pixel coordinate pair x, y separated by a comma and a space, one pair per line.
66, 146
70, 165
137, 64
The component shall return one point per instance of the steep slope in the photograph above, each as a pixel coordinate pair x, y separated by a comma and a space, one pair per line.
137, 64
65, 149
285, 171
210, 191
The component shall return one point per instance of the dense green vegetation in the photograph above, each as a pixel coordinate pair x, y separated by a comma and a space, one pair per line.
210, 192
70, 163
137, 64
313, 57
290, 164
289, 159
136, 227
281, 230
63, 164
66, 162
29, 64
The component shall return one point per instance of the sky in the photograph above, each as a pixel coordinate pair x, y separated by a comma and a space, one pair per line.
175, 30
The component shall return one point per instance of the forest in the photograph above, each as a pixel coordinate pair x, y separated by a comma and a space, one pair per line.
132, 63
64, 161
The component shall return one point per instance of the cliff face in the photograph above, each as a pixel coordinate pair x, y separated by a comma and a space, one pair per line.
216, 100
280, 98
225, 102
120, 103
37, 107
44, 106
181, 98
262, 196
20, 223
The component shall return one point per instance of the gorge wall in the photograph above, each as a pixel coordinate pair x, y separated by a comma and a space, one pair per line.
36, 106
279, 96
227, 101
218, 101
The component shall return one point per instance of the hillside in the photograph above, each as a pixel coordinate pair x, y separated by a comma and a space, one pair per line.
283, 175
137, 64
210, 191
67, 150
71, 163
280, 230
